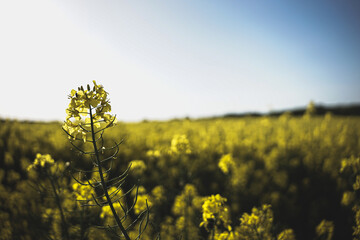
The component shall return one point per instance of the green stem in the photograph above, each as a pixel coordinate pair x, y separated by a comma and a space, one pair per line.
103, 182
64, 231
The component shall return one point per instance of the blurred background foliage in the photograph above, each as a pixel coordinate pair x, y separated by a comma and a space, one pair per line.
289, 162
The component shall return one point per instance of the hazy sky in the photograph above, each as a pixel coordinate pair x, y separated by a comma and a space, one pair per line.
165, 59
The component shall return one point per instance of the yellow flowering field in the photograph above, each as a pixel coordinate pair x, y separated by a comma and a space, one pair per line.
228, 178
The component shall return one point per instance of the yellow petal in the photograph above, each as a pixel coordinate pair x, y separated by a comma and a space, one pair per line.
73, 92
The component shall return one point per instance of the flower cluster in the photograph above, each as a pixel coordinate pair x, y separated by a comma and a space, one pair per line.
351, 164
215, 211
107, 213
41, 160
143, 200
158, 194
287, 234
180, 145
238, 172
224, 236
186, 208
153, 153
188, 200
258, 223
82, 192
119, 201
325, 229
80, 112
347, 198
349, 167
356, 228
226, 163
138, 167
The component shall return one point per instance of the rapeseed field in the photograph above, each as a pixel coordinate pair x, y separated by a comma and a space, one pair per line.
286, 177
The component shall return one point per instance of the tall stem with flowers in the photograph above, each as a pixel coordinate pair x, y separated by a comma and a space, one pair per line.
88, 116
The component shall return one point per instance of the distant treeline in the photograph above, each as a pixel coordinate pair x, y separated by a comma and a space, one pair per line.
340, 110
320, 110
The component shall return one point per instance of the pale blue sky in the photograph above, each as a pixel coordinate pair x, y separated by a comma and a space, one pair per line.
165, 59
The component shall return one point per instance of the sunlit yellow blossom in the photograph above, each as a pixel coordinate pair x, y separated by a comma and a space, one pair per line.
153, 153
214, 210
256, 225
158, 194
180, 223
224, 236
137, 167
82, 192
180, 145
187, 200
118, 197
107, 213
142, 200
186, 208
78, 120
226, 163
140, 205
41, 160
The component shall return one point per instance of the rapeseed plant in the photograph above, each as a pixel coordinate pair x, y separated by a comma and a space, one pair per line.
88, 116
216, 216
53, 171
350, 167
256, 225
186, 207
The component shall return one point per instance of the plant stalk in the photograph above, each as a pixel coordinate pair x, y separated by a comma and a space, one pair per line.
103, 182
64, 230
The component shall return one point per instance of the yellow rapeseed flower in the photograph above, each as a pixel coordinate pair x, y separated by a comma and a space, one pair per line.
226, 163
138, 167
82, 192
287, 234
142, 199
214, 209
325, 229
78, 120
180, 145
41, 160
256, 225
